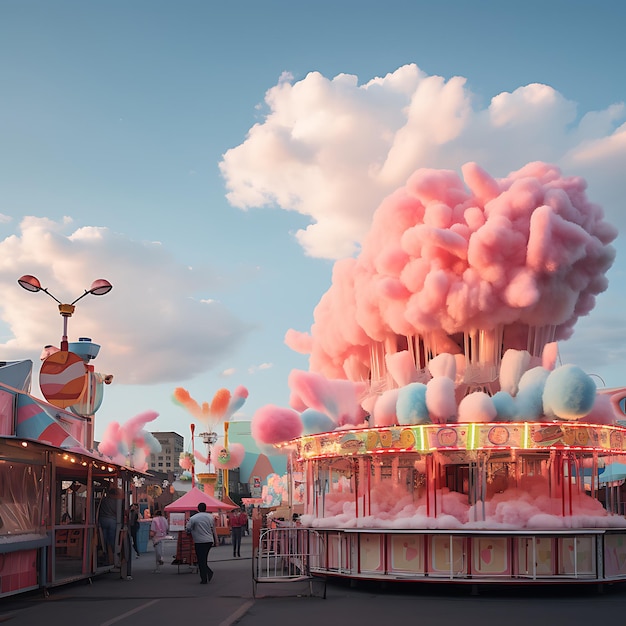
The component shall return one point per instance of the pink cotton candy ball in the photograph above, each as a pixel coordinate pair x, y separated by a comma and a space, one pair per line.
477, 407
273, 424
440, 400
385, 409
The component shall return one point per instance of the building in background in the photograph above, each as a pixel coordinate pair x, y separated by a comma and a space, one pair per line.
167, 461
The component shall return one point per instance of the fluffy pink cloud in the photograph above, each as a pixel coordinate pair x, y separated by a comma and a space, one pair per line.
453, 255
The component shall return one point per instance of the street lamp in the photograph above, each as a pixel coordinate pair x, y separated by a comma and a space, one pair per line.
99, 287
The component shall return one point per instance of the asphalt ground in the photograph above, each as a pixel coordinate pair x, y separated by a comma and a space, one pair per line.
175, 595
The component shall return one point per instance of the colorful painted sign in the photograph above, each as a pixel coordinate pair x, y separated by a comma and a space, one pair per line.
460, 437
63, 378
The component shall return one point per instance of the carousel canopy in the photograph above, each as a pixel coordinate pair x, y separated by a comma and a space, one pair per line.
190, 501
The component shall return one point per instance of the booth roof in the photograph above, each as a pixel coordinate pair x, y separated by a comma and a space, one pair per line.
190, 501
612, 473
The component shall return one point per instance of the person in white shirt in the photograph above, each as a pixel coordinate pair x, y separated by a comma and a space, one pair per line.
201, 525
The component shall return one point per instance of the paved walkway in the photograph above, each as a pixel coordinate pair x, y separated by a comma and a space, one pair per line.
151, 598
176, 594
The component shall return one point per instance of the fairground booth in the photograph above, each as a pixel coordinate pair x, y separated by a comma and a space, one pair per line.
51, 484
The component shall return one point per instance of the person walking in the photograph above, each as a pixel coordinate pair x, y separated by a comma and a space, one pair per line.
201, 525
133, 523
158, 532
238, 520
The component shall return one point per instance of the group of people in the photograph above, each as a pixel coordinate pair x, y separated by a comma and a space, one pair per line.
201, 527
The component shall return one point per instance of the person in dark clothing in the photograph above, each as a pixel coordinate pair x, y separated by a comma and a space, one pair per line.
133, 524
238, 520
108, 516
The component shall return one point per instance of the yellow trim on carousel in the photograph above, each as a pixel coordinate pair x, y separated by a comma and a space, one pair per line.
426, 438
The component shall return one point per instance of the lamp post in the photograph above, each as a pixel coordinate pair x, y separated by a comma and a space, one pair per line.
99, 287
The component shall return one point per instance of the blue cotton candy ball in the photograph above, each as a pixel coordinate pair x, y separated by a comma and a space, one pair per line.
529, 399
411, 405
314, 422
505, 406
569, 393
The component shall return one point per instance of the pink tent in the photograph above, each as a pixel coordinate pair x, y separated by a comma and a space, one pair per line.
190, 501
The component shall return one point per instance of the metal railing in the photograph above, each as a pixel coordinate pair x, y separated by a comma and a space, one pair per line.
286, 555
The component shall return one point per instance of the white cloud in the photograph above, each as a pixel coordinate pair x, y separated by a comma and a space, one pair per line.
332, 149
253, 369
157, 325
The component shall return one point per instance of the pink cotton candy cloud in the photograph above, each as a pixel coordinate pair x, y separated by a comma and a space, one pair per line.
446, 256
339, 399
132, 428
272, 424
130, 442
527, 506
110, 440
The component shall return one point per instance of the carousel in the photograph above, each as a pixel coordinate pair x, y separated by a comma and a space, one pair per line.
437, 435
466, 502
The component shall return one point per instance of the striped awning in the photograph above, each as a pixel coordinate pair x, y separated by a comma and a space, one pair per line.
37, 421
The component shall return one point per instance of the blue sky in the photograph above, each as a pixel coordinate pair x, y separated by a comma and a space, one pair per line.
137, 145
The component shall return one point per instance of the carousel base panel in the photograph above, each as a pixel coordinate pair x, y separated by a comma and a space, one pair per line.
534, 557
